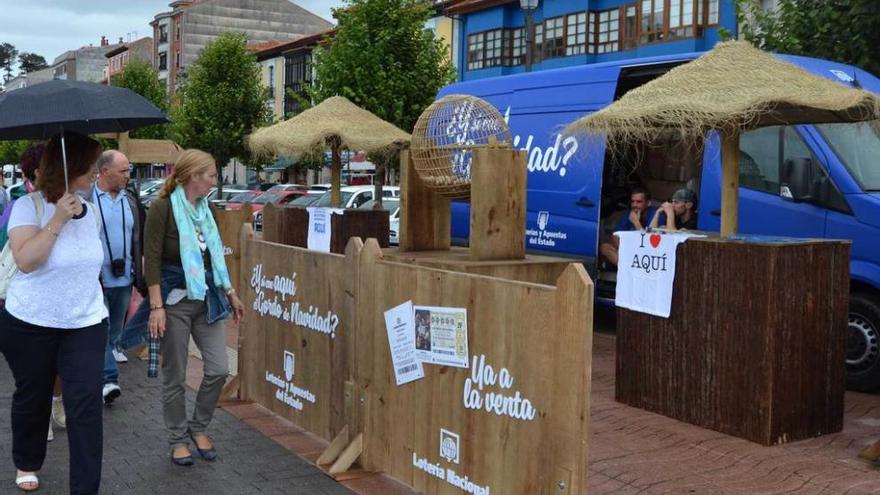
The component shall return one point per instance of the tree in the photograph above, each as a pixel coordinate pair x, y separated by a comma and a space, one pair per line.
221, 100
140, 77
10, 151
844, 30
8, 53
30, 62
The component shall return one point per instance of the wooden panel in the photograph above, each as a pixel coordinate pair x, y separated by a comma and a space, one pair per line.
755, 343
535, 269
230, 223
317, 286
286, 225
425, 221
365, 224
540, 333
498, 204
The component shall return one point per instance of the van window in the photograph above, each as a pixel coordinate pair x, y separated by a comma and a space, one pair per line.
759, 159
858, 146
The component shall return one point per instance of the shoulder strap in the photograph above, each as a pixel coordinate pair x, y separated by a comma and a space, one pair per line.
37, 198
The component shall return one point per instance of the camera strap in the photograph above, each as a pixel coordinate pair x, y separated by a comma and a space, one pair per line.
104, 224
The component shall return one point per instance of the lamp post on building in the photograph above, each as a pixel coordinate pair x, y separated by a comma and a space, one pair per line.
529, 7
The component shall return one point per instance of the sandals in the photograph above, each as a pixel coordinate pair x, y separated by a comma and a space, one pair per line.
27, 482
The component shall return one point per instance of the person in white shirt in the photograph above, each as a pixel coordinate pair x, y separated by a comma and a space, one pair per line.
55, 320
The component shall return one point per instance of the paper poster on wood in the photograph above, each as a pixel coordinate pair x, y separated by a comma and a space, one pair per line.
401, 338
441, 335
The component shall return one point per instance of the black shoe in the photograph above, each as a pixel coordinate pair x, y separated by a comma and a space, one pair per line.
207, 454
185, 461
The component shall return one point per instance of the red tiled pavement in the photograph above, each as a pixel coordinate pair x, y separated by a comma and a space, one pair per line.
634, 451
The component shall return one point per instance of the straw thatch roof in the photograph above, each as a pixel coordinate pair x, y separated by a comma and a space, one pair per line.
336, 117
733, 88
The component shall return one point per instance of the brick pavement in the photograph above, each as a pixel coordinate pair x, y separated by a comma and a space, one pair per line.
635, 451
136, 452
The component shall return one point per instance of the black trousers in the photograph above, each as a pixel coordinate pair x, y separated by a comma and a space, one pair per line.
35, 355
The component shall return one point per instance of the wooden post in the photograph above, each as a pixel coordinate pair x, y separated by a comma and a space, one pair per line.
729, 183
123, 143
498, 204
335, 171
424, 216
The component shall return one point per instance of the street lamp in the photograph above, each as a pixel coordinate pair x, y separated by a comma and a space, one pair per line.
529, 7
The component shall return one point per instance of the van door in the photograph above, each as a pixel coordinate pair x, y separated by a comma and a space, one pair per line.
761, 208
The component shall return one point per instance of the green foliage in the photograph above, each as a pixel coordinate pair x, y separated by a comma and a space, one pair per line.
221, 100
8, 54
140, 77
383, 59
10, 151
844, 30
30, 62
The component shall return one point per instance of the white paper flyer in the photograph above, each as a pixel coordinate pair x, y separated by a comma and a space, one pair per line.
401, 338
441, 335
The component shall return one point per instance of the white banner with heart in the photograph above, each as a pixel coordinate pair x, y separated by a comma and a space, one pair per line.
646, 270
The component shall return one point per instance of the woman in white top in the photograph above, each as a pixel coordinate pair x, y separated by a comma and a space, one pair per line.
55, 318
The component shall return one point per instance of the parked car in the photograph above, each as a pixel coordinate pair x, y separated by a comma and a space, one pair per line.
355, 196
229, 190
236, 202
570, 197
393, 207
288, 187
262, 186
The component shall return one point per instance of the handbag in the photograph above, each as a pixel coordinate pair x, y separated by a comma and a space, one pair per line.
8, 268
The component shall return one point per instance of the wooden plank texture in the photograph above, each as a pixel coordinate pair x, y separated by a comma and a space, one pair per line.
498, 205
316, 286
755, 343
230, 223
424, 216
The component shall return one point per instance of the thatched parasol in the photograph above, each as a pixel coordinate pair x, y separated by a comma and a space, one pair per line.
731, 89
336, 122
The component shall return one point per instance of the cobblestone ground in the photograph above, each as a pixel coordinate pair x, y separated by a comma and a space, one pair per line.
634, 451
136, 453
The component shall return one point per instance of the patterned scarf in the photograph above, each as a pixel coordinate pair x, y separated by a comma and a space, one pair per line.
190, 221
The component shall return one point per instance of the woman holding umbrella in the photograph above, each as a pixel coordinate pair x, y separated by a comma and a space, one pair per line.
55, 319
189, 294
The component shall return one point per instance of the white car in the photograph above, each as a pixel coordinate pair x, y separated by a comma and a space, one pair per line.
356, 196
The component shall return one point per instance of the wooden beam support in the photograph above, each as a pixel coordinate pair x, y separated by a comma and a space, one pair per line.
348, 456
729, 183
332, 452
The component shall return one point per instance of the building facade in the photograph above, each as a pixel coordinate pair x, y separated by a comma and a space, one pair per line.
120, 56
272, 76
493, 41
24, 80
181, 33
83, 64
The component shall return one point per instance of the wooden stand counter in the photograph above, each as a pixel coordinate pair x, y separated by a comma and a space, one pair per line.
755, 343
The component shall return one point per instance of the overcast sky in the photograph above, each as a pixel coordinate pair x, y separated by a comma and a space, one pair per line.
51, 27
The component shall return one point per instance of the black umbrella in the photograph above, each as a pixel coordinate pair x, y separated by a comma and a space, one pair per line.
43, 110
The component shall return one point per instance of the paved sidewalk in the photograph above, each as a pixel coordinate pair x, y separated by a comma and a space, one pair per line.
635, 451
136, 452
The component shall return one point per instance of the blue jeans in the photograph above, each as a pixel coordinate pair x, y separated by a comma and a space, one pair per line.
116, 299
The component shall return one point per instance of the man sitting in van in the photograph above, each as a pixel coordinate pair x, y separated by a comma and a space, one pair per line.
638, 217
677, 214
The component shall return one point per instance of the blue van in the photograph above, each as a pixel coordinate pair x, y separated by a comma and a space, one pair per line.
576, 192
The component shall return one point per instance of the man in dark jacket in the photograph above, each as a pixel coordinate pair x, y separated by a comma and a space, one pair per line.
123, 269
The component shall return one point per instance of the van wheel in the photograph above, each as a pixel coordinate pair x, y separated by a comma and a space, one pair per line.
863, 343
